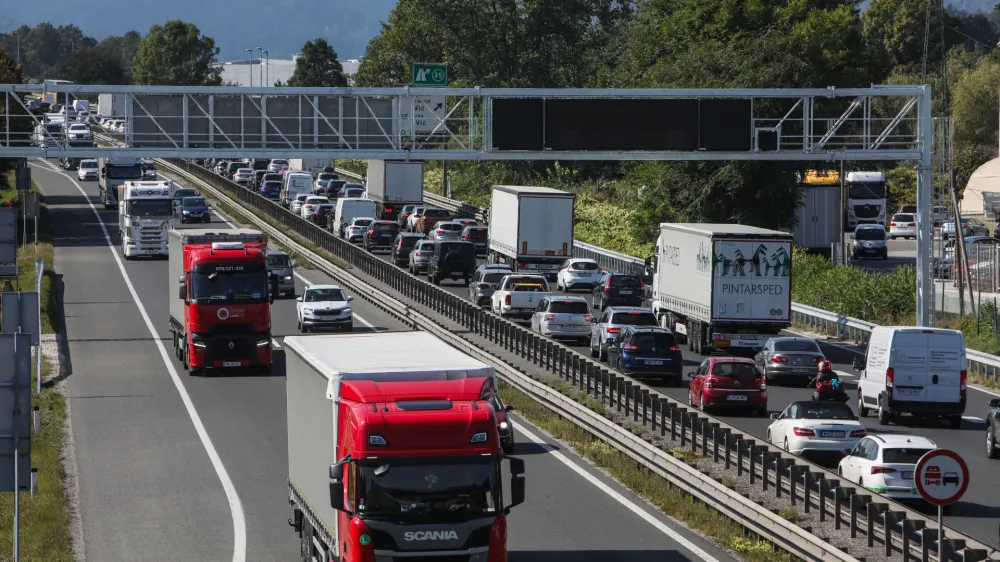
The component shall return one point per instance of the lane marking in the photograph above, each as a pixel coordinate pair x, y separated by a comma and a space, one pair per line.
275, 344
235, 506
627, 503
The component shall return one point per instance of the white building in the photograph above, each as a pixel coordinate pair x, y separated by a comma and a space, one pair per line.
251, 72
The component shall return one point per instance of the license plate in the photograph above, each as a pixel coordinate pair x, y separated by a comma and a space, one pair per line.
232, 364
456, 272
805, 370
625, 292
839, 434
908, 391
654, 362
907, 476
737, 397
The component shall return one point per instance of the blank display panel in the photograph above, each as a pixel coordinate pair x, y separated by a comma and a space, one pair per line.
518, 124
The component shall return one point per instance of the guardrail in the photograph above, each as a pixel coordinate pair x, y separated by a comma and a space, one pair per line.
895, 527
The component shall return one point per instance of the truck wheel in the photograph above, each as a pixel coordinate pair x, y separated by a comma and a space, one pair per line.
883, 416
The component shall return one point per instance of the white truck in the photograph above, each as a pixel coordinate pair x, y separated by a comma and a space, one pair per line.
294, 184
393, 184
145, 216
111, 105
722, 286
531, 228
113, 173
312, 166
518, 296
817, 226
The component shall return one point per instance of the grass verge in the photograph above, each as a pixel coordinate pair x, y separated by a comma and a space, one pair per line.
676, 503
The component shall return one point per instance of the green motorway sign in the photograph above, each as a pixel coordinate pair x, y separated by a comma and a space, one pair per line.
430, 74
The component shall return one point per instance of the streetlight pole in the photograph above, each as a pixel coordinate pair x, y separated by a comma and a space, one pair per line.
267, 68
250, 60
260, 61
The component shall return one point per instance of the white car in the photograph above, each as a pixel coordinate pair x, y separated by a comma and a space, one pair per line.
243, 175
324, 306
903, 225
308, 207
816, 427
295, 205
78, 131
414, 218
87, 170
578, 273
357, 229
885, 464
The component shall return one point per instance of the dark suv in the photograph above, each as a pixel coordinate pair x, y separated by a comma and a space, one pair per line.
478, 235
647, 353
380, 235
403, 245
452, 260
619, 289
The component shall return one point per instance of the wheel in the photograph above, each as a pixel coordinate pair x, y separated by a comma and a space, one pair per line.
593, 352
862, 411
603, 353
991, 446
955, 421
701, 405
691, 397
785, 446
883, 416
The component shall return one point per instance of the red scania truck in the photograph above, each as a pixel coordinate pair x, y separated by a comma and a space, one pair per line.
394, 456
220, 310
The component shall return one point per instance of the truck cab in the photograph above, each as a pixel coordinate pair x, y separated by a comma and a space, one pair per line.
146, 214
113, 173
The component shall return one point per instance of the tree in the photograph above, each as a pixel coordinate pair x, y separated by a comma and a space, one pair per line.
19, 122
93, 65
176, 54
126, 47
318, 66
44, 47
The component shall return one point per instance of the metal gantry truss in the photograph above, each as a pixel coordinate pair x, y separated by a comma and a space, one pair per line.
880, 123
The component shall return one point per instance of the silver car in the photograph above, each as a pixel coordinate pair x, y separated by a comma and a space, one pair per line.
280, 264
449, 230
970, 227
606, 328
296, 204
420, 256
790, 358
563, 317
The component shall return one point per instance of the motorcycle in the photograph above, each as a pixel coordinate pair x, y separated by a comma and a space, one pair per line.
830, 390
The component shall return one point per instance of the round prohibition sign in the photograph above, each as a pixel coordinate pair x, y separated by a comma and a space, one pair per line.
941, 477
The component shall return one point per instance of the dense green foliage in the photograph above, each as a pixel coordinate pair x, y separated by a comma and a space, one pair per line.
65, 52
318, 66
177, 54
11, 73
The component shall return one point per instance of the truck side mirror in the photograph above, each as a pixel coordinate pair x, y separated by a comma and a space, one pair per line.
182, 292
273, 292
337, 495
647, 262
516, 466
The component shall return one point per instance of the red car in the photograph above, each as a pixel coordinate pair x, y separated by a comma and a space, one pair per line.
732, 382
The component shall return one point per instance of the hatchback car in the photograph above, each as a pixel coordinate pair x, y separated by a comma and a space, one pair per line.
562, 318
295, 205
357, 229
732, 382
903, 225
243, 176
321, 213
449, 230
486, 280
195, 209
647, 353
788, 358
270, 189
87, 170
420, 256
380, 235
868, 241
578, 273
606, 328
479, 236
616, 289
885, 464
311, 203
403, 245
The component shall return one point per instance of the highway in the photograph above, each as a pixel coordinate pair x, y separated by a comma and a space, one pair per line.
196, 466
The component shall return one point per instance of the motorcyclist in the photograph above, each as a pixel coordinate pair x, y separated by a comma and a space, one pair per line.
826, 374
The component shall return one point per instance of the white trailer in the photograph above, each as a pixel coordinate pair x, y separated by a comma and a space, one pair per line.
531, 228
145, 215
111, 105
722, 286
394, 184
818, 214
311, 165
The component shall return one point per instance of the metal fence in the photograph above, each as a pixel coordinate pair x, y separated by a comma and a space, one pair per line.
892, 525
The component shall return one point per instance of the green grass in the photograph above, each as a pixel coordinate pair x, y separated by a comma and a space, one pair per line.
28, 253
672, 501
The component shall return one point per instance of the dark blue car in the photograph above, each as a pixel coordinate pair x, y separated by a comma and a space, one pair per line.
195, 209
645, 352
270, 189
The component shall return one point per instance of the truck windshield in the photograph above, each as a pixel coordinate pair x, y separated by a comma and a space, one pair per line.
151, 208
229, 282
866, 190
443, 487
124, 172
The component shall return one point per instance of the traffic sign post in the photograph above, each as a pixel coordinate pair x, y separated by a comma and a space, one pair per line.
941, 477
430, 74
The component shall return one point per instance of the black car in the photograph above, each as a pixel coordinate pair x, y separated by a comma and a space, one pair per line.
452, 260
403, 245
380, 235
321, 212
257, 178
479, 236
619, 289
332, 190
647, 353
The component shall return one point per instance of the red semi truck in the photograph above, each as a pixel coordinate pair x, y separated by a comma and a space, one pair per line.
394, 456
220, 310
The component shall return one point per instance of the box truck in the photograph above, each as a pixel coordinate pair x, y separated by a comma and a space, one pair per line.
817, 226
394, 456
531, 228
312, 166
111, 105
722, 286
393, 184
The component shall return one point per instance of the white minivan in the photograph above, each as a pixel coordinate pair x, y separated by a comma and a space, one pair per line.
294, 184
909, 370
350, 209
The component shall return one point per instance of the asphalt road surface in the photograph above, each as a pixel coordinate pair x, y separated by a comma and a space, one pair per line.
195, 468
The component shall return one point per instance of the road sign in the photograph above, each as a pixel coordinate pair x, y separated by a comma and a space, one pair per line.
15, 410
428, 113
430, 74
941, 477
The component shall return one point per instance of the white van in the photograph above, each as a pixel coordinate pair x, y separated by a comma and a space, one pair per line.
350, 209
918, 371
294, 184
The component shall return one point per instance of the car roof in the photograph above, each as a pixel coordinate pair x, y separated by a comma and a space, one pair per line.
628, 309
888, 440
411, 234
792, 338
323, 287
870, 227
498, 266
363, 218
731, 359
587, 260
648, 329
574, 298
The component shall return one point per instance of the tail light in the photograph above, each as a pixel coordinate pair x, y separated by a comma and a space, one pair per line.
883, 470
550, 317
506, 300
762, 383
612, 330
858, 433
387, 210
964, 385
317, 214
674, 348
586, 318
371, 233
889, 379
439, 231
912, 224
710, 382
631, 347
892, 224
641, 284
607, 285
815, 359
779, 359
803, 432
467, 237
522, 265
418, 254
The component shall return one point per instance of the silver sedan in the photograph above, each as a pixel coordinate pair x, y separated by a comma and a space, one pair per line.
790, 358
448, 230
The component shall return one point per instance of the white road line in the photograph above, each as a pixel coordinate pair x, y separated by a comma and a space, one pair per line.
275, 344
844, 374
235, 506
629, 504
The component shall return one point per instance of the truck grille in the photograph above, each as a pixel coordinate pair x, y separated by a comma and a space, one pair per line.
230, 328
867, 211
151, 235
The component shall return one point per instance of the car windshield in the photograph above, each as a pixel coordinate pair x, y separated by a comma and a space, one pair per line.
796, 345
568, 307
869, 234
633, 319
323, 295
150, 208
903, 456
279, 260
439, 490
649, 340
194, 202
737, 370
625, 281
824, 411
230, 283
88, 164
386, 227
184, 192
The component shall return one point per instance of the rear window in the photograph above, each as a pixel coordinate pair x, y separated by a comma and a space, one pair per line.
409, 241
736, 370
386, 227
493, 277
903, 456
649, 340
584, 266
529, 288
821, 411
625, 281
450, 226
478, 233
436, 213
902, 218
796, 345
633, 319
568, 307
362, 222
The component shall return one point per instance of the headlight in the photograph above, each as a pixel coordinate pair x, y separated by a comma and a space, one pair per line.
346, 310
504, 425
263, 343
288, 278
